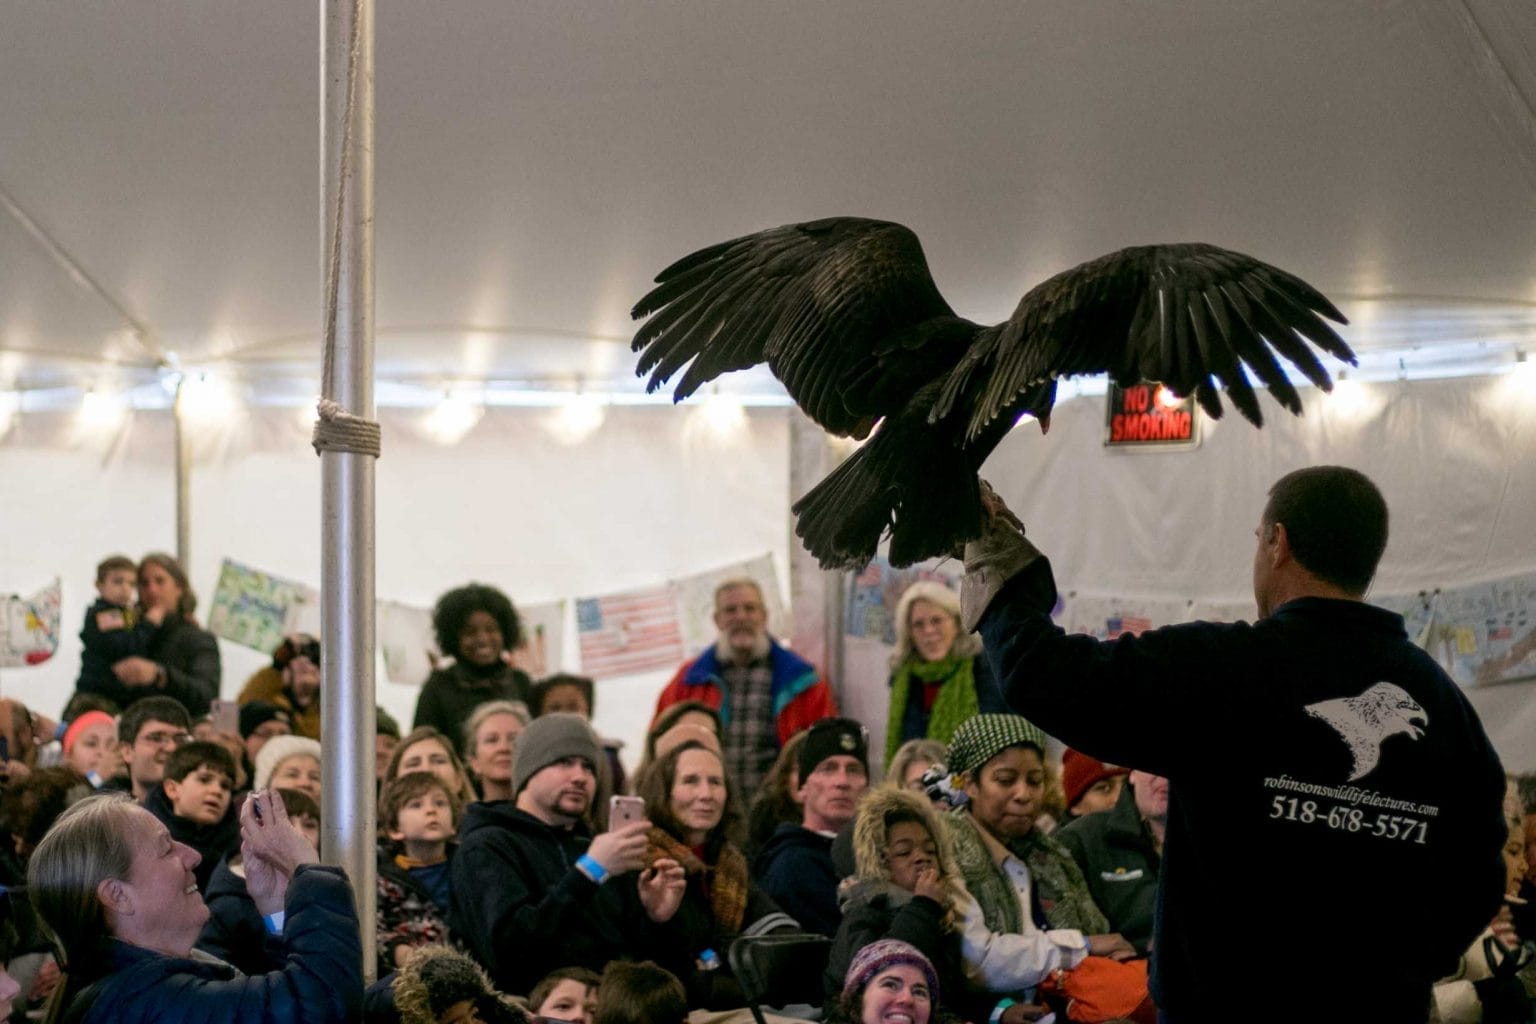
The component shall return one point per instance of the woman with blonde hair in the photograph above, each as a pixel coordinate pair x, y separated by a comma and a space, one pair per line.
913, 759
939, 677
123, 905
490, 736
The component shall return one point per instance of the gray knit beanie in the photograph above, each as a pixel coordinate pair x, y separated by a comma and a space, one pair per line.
551, 738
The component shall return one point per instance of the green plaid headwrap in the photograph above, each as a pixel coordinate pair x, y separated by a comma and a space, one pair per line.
982, 737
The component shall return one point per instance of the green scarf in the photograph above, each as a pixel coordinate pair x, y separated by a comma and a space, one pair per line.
1058, 882
956, 701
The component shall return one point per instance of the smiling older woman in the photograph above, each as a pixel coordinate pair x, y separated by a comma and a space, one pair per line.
121, 899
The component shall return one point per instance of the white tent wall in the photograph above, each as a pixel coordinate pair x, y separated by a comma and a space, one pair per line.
649, 498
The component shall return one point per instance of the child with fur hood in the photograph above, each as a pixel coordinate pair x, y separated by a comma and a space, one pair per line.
440, 985
905, 886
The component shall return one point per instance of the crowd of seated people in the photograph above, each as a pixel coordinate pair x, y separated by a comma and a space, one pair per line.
158, 861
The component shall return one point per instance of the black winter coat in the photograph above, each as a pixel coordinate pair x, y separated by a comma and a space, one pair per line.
521, 906
694, 929
190, 657
1120, 864
234, 932
450, 694
794, 869
881, 910
321, 979
1319, 764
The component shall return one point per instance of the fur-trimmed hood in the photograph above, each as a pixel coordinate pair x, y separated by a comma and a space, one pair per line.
869, 840
439, 977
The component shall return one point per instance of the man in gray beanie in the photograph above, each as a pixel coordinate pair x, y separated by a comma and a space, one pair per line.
527, 874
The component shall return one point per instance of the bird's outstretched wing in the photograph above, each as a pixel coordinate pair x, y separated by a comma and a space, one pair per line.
1190, 316
818, 302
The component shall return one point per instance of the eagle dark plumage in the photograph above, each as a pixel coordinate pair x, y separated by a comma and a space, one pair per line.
847, 316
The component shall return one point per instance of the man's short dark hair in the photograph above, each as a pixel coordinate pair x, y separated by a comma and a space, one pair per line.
384, 723
152, 709
189, 757
115, 563
1335, 520
640, 993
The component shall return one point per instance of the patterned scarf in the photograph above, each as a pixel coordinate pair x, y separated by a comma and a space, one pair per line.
956, 701
726, 881
1058, 883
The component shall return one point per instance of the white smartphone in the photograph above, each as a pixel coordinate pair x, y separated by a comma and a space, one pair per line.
625, 810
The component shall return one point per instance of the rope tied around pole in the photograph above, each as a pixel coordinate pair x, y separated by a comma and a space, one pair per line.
337, 429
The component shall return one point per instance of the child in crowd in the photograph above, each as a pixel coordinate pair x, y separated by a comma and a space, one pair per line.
90, 747
641, 993
419, 815
234, 931
289, 762
193, 802
568, 994
114, 629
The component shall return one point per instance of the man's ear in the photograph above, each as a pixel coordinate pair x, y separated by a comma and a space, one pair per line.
1280, 545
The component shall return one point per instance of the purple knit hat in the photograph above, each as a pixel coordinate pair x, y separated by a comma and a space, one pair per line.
877, 956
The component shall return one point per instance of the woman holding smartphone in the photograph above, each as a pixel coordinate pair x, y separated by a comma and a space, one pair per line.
695, 821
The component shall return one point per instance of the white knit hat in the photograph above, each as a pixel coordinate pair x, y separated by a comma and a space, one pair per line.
277, 750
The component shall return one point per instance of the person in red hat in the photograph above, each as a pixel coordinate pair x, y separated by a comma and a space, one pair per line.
1090, 785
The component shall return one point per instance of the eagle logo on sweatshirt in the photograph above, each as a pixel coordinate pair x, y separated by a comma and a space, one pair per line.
1365, 722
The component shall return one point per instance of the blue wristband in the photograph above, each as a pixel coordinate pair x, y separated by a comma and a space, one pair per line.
592, 869
274, 922
997, 1011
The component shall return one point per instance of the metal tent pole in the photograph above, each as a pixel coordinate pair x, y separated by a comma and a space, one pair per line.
183, 478
347, 478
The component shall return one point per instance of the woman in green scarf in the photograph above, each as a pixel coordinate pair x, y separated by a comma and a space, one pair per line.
939, 677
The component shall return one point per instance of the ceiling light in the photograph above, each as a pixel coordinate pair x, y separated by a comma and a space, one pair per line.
579, 417
454, 417
723, 414
101, 410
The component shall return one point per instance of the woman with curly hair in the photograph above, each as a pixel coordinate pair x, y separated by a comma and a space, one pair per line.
694, 821
478, 627
938, 677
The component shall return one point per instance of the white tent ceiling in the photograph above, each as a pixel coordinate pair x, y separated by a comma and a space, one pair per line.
539, 160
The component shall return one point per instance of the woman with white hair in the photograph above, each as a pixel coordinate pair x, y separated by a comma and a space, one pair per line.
939, 677
119, 894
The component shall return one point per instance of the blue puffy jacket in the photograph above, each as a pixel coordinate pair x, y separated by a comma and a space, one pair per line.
321, 979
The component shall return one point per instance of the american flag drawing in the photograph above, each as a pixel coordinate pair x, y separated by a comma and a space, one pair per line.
622, 634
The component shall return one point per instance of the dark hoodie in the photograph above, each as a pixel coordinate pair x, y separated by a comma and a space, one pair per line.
794, 869
521, 906
234, 932
211, 842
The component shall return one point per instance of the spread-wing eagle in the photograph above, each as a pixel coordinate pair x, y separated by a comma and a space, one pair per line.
847, 316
